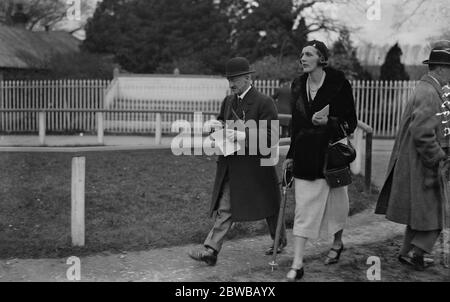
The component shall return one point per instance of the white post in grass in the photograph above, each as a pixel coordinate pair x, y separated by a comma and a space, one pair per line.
100, 133
41, 128
158, 131
355, 166
78, 182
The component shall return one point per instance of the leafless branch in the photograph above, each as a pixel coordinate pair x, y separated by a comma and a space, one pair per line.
400, 23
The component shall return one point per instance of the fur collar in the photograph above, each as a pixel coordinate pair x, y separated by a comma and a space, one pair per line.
334, 80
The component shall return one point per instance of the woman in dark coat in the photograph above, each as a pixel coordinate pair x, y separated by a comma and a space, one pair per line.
319, 209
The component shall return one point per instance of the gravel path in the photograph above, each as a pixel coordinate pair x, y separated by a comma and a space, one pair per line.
238, 258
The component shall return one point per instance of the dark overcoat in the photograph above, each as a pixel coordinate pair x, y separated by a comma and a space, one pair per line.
254, 188
308, 142
411, 194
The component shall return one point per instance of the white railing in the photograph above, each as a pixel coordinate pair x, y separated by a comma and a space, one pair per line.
378, 104
381, 104
59, 94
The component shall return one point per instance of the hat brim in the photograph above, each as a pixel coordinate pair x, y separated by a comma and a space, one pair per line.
233, 75
428, 62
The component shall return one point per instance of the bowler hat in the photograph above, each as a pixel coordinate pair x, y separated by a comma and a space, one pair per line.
237, 66
439, 56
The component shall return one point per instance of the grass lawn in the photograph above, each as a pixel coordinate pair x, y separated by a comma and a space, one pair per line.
135, 200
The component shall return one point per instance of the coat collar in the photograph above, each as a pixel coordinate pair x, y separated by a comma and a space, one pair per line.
437, 85
250, 97
334, 80
245, 92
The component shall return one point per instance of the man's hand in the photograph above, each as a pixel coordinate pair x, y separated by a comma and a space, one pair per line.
446, 164
213, 125
319, 120
233, 135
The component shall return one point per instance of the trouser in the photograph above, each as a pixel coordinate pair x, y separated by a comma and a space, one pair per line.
424, 240
223, 222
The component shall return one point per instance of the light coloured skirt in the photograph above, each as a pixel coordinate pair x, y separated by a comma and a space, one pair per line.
320, 211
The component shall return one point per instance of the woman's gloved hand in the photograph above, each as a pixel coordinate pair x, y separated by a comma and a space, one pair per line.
288, 164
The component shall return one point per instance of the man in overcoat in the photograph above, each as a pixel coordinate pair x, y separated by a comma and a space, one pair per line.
245, 189
412, 193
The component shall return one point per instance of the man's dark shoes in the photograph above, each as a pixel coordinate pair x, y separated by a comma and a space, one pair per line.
206, 255
419, 263
280, 248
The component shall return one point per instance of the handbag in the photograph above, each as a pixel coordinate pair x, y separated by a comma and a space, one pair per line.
337, 177
341, 155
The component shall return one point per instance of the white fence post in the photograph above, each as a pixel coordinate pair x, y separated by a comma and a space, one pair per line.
100, 133
356, 165
77, 213
158, 131
41, 128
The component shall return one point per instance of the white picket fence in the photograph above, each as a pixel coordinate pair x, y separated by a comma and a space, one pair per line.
378, 104
381, 104
61, 94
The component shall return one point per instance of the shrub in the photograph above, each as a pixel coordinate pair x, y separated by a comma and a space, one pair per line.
272, 68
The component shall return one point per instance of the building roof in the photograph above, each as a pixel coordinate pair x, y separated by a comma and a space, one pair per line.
23, 49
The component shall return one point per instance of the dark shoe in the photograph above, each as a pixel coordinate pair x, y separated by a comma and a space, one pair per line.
280, 248
334, 255
207, 255
419, 263
295, 274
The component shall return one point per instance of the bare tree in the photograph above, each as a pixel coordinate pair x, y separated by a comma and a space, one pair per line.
45, 13
410, 10
41, 13
6, 11
317, 12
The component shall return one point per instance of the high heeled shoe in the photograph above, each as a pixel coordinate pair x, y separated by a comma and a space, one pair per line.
297, 276
332, 260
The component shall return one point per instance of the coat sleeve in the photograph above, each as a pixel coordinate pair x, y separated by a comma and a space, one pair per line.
294, 127
424, 123
221, 116
267, 112
347, 116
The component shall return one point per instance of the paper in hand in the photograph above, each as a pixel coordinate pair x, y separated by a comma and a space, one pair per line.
324, 112
226, 146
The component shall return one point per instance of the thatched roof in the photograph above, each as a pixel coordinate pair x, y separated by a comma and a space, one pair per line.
24, 49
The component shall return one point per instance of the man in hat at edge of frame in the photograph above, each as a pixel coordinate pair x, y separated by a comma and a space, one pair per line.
412, 193
244, 190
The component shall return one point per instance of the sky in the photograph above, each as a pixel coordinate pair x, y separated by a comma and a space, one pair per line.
374, 32
431, 19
